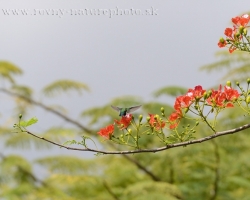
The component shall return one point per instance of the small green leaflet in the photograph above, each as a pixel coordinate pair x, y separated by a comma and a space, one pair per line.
29, 122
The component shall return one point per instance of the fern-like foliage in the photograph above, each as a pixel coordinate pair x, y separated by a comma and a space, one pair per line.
22, 105
8, 69
14, 169
68, 165
172, 91
236, 66
60, 86
143, 190
22, 90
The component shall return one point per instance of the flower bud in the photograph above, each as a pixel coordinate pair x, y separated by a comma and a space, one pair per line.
237, 83
222, 40
209, 93
20, 116
140, 118
197, 123
237, 35
248, 100
186, 110
162, 110
205, 95
241, 28
245, 31
228, 83
248, 81
129, 131
148, 118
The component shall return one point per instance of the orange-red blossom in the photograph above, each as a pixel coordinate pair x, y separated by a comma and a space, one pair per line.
124, 122
156, 122
234, 35
217, 98
107, 131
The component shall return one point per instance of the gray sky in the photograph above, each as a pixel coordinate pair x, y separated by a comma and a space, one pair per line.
117, 55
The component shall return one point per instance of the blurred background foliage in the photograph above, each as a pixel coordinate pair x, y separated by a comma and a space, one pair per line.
217, 169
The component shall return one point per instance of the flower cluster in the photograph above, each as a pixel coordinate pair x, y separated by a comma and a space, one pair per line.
156, 122
222, 99
123, 123
235, 35
213, 98
184, 102
194, 101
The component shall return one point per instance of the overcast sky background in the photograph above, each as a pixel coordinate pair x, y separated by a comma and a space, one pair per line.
114, 56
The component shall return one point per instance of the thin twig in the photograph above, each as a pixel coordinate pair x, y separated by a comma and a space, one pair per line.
110, 191
39, 104
140, 166
48, 109
169, 146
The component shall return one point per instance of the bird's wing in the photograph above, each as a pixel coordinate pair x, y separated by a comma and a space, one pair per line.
133, 108
116, 108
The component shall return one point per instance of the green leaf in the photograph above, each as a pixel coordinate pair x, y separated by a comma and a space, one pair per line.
23, 90
170, 91
60, 86
234, 66
7, 69
29, 122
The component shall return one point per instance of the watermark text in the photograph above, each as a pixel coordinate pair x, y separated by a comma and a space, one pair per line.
82, 12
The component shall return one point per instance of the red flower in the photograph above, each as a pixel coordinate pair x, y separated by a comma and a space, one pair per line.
196, 93
107, 131
223, 99
241, 21
228, 32
182, 102
174, 116
124, 122
156, 122
174, 119
231, 94
235, 20
222, 43
217, 98
172, 126
232, 49
186, 100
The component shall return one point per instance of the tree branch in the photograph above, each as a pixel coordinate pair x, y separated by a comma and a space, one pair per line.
110, 191
48, 109
39, 104
140, 166
169, 146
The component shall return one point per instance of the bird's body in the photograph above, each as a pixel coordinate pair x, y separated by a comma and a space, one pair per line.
125, 111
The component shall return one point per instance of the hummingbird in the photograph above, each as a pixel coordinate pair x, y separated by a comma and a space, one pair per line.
125, 111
